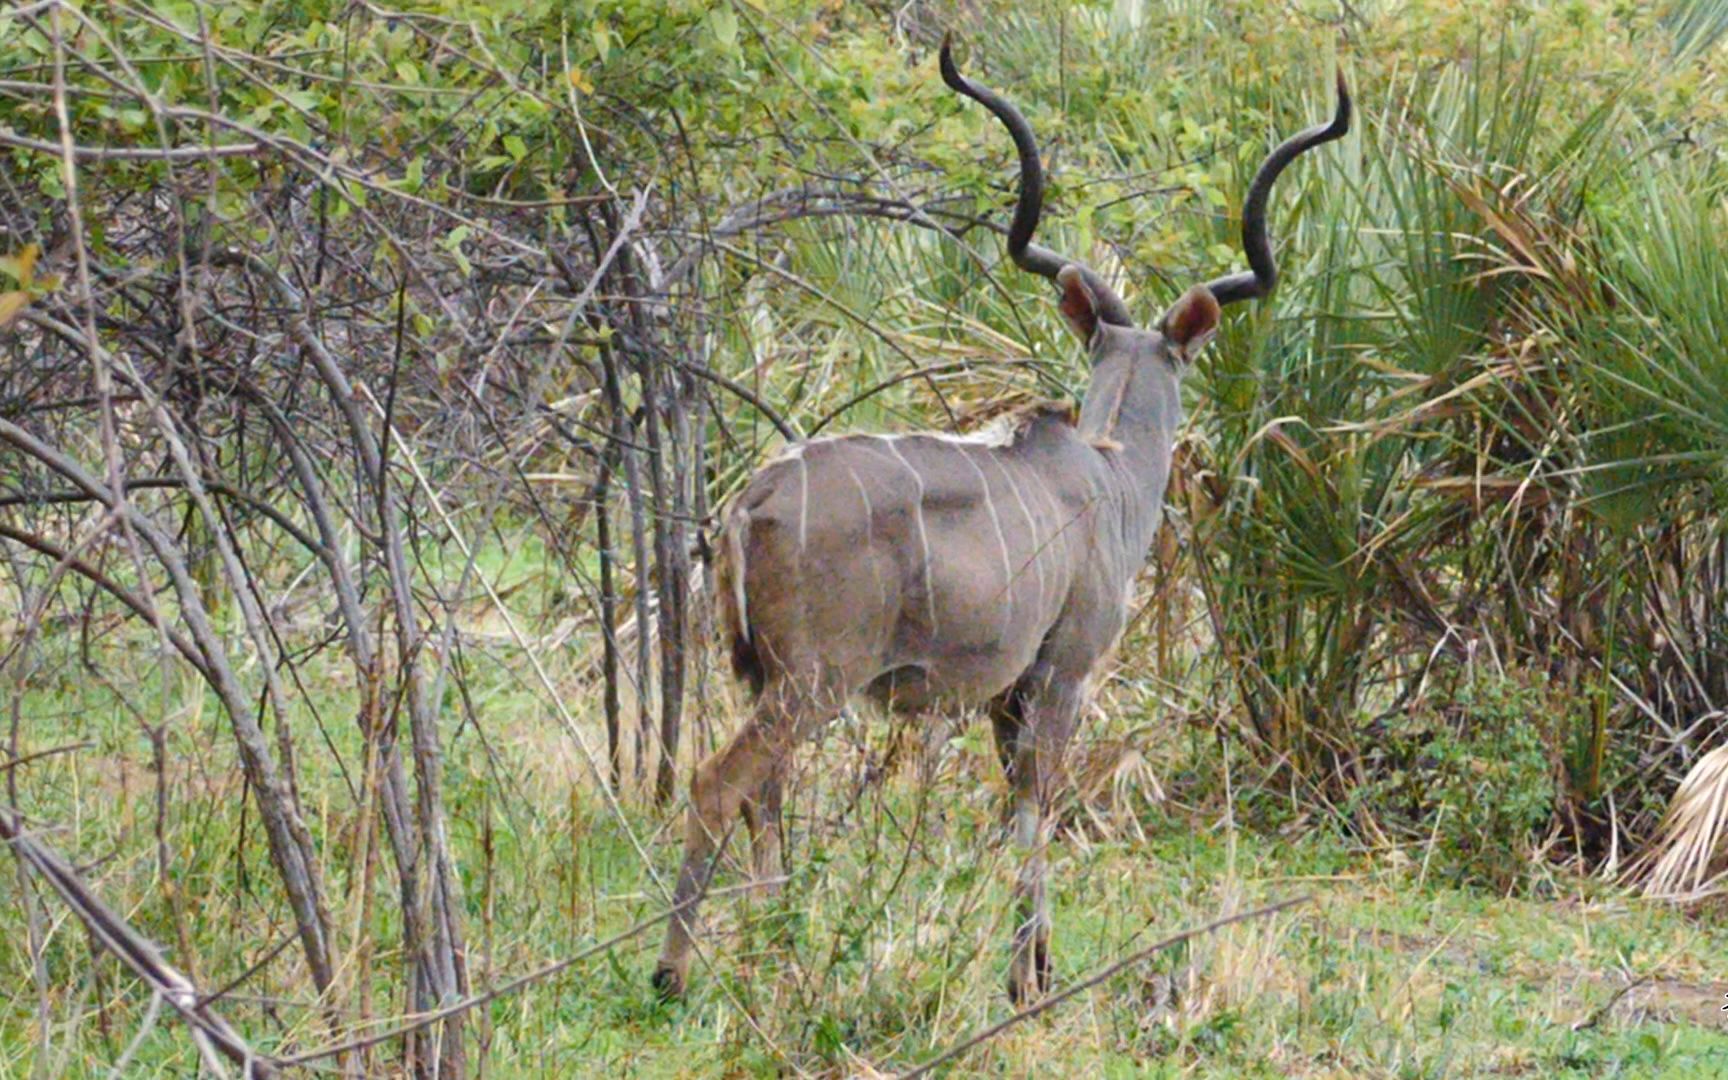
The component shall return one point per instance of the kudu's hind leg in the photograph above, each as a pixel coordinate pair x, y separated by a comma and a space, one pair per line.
719, 789
1007, 717
1048, 717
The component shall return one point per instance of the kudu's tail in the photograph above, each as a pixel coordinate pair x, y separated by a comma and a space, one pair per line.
734, 607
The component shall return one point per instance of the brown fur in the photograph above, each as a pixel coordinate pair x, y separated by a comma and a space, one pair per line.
1192, 320
1078, 304
1028, 416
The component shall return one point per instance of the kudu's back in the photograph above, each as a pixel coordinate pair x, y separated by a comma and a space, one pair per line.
924, 568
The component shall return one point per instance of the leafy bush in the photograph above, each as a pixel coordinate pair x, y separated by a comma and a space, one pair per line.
1470, 779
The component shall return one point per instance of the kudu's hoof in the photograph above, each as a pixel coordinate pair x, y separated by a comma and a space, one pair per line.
1026, 987
667, 983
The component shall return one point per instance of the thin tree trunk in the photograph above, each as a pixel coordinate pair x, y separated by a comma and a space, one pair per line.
670, 623
622, 443
608, 612
442, 973
398, 820
671, 560
639, 547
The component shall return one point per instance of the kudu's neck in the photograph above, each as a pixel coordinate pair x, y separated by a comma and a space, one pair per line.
1131, 412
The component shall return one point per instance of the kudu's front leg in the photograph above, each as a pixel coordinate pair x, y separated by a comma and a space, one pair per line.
1049, 714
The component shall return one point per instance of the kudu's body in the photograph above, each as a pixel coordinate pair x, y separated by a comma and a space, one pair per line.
933, 571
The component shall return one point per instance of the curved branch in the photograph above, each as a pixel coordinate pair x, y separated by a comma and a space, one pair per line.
283, 826
175, 483
132, 949
744, 393
133, 153
48, 548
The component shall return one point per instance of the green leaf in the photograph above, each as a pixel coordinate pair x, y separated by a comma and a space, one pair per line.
452, 243
724, 24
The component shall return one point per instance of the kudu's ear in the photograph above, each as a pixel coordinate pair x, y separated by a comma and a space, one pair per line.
1078, 303
1190, 323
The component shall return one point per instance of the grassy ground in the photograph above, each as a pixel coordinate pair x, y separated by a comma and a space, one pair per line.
888, 945
1384, 972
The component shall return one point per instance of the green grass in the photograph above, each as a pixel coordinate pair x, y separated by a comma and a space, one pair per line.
889, 943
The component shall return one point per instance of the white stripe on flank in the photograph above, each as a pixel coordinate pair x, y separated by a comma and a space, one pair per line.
870, 536
1001, 540
1058, 517
735, 540
1037, 542
803, 502
923, 536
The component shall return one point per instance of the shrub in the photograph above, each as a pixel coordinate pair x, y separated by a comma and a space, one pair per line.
1471, 779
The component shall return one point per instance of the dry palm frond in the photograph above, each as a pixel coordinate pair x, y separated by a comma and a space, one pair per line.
1693, 838
1114, 781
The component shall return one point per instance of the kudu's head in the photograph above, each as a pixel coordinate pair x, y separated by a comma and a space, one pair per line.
1091, 306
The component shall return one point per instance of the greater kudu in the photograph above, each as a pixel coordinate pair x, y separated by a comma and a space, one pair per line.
933, 571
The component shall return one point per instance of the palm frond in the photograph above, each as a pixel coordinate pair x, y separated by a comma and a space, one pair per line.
1689, 857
